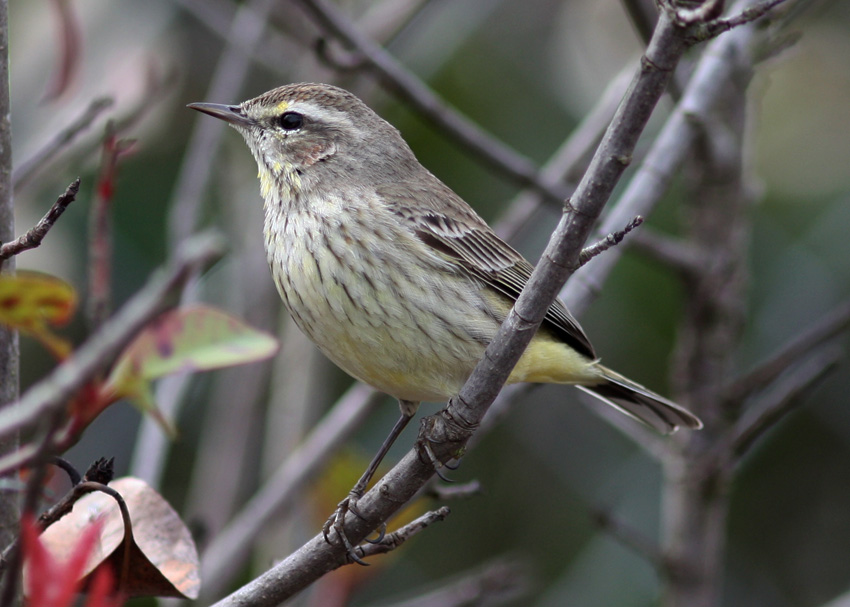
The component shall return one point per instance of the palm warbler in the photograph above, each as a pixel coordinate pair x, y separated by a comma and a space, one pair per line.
394, 277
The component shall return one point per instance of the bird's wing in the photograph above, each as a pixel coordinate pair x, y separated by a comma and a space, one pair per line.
453, 229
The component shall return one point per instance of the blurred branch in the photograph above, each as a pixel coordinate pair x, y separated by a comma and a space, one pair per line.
247, 27
232, 544
830, 325
36, 234
449, 431
220, 17
54, 391
99, 294
783, 397
717, 65
27, 169
572, 157
669, 250
496, 583
632, 539
412, 90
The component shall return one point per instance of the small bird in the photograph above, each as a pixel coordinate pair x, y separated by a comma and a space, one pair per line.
389, 272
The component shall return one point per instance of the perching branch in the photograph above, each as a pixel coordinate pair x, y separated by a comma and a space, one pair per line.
36, 234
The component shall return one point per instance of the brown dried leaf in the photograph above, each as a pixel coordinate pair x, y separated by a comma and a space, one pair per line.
163, 560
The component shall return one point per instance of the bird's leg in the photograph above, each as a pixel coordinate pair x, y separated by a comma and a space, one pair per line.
337, 519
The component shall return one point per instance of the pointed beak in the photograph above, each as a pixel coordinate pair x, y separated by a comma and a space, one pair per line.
231, 114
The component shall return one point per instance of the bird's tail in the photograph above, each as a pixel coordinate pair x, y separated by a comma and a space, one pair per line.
641, 403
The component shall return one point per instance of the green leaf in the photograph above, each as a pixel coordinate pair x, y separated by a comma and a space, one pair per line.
197, 338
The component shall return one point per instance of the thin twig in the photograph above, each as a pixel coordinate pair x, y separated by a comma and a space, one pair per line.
99, 294
393, 540
411, 89
830, 325
612, 240
54, 391
718, 26
782, 399
29, 167
36, 234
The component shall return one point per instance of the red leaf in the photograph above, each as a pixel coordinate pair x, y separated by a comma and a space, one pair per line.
48, 582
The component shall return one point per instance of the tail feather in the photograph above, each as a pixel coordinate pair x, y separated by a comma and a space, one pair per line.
642, 404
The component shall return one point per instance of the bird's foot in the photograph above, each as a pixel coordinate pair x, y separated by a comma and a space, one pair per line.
336, 522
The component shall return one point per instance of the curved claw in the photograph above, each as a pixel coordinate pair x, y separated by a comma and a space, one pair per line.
336, 521
382, 532
436, 463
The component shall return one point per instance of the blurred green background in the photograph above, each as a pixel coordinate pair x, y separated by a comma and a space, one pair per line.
527, 72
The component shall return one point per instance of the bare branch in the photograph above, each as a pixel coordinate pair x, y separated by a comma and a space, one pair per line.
53, 391
245, 32
826, 328
632, 539
393, 540
27, 169
669, 250
748, 15
409, 88
612, 240
36, 234
502, 581
716, 65
785, 396
233, 542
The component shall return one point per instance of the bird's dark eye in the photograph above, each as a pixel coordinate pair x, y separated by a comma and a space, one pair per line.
290, 121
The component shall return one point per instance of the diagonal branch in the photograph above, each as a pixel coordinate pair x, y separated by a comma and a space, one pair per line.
29, 167
393, 540
825, 329
411, 89
784, 396
53, 392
